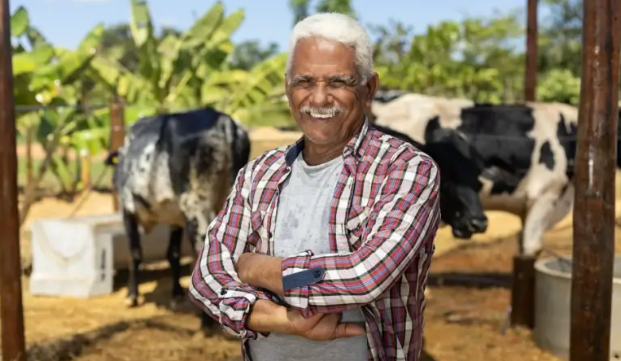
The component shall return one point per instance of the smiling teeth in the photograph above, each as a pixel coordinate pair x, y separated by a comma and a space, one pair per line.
321, 116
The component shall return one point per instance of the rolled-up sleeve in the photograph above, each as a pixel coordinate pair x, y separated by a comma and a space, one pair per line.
405, 215
214, 284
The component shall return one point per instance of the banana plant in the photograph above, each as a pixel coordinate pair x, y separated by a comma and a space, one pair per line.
169, 66
42, 76
190, 70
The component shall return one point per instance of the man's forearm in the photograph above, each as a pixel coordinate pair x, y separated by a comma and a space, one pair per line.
266, 316
262, 271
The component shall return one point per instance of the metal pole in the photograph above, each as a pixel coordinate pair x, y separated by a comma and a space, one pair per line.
530, 76
117, 135
594, 208
11, 314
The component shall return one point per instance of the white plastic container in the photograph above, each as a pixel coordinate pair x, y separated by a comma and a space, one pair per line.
77, 257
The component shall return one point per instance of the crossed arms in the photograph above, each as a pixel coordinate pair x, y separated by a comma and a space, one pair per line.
229, 284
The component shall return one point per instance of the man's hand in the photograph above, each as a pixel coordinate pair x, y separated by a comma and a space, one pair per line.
322, 326
267, 316
260, 270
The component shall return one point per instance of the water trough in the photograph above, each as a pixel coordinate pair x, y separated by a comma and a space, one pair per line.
552, 307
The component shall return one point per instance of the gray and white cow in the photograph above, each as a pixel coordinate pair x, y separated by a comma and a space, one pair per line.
529, 149
176, 169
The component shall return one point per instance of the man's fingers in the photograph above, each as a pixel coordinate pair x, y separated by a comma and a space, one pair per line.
348, 330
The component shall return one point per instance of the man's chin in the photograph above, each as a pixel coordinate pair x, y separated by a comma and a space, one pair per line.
320, 139
318, 134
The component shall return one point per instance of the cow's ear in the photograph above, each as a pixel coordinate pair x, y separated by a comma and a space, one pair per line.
454, 138
440, 135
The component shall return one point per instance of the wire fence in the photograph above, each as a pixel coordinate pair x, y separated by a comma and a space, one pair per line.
114, 118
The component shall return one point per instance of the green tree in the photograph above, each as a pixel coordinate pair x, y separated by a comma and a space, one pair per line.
474, 58
250, 53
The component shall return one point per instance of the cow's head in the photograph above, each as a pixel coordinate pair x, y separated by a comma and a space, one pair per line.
112, 158
460, 167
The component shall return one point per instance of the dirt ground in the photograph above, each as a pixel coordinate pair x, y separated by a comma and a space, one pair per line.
461, 323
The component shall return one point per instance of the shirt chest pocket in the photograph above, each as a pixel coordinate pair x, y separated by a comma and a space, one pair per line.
356, 225
259, 233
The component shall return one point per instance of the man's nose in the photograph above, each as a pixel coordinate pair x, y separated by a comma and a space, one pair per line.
320, 95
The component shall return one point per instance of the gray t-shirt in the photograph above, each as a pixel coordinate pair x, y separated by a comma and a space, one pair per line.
302, 223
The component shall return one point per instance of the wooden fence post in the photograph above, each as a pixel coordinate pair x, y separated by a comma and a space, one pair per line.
530, 75
11, 307
594, 207
117, 135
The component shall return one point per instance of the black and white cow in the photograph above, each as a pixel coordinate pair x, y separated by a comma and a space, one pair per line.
528, 149
460, 168
176, 169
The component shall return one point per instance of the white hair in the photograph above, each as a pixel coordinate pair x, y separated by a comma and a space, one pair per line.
340, 28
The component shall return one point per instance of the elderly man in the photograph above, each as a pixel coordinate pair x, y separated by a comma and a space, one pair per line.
322, 249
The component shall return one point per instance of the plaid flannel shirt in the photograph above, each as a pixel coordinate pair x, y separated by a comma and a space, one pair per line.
383, 220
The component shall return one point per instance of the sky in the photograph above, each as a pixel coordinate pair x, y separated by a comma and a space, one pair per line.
65, 22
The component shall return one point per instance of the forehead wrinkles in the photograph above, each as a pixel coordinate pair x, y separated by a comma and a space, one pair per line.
330, 77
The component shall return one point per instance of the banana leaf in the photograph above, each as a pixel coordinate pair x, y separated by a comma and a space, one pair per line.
20, 20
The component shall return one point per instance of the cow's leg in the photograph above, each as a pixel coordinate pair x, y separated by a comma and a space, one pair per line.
564, 205
191, 229
135, 249
174, 259
538, 218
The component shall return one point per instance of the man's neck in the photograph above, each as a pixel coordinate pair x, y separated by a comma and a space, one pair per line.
316, 154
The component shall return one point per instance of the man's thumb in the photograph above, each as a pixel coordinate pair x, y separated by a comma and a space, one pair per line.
349, 330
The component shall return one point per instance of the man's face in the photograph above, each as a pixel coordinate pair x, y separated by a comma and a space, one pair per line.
324, 91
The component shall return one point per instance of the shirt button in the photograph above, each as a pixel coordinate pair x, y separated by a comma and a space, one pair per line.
223, 292
317, 274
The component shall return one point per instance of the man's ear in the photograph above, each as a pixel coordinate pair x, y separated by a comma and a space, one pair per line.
287, 89
372, 87
287, 84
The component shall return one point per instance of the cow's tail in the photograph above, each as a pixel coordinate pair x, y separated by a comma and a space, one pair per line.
112, 158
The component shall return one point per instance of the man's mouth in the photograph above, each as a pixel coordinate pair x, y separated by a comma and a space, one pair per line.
321, 113
321, 116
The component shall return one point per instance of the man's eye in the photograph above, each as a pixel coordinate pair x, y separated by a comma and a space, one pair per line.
302, 82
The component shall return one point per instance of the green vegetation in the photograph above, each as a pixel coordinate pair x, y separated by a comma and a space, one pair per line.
164, 70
